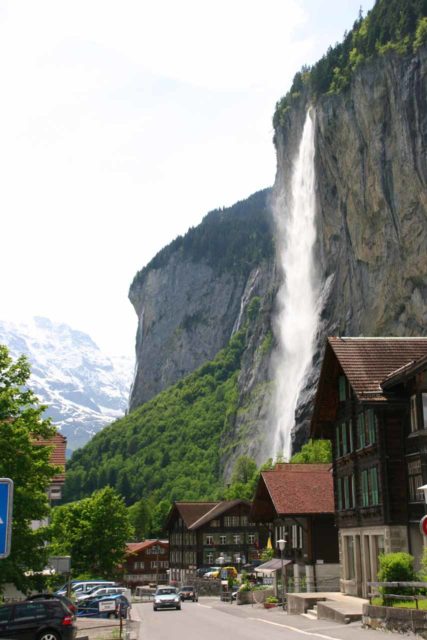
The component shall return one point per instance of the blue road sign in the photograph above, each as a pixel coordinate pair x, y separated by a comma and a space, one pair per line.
6, 502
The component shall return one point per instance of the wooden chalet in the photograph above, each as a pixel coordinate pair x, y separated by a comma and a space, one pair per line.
296, 501
146, 563
369, 402
201, 532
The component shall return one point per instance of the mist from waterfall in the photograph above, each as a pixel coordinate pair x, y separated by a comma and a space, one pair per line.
297, 315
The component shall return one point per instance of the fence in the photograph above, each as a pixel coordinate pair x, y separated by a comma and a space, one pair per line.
403, 596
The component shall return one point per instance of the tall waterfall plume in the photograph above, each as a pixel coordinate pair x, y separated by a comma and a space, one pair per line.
297, 315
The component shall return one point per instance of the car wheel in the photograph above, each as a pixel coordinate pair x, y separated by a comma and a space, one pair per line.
178, 608
154, 608
48, 635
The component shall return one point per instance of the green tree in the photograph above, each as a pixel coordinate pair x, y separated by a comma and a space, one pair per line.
94, 532
27, 464
141, 516
314, 451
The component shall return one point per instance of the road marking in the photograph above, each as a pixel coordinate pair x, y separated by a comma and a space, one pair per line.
305, 633
206, 606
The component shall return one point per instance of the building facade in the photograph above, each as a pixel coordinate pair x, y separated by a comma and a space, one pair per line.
377, 462
146, 563
203, 534
296, 502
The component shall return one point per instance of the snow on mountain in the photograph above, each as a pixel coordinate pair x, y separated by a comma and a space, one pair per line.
83, 388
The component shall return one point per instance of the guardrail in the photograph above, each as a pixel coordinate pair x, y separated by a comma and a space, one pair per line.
415, 597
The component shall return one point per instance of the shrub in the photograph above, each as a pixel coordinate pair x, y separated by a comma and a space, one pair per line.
396, 567
271, 600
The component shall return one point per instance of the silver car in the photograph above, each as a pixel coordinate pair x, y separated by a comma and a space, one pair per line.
167, 598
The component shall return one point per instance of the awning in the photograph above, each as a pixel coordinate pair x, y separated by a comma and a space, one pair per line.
272, 565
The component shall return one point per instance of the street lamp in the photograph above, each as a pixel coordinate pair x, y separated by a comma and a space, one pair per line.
281, 544
220, 561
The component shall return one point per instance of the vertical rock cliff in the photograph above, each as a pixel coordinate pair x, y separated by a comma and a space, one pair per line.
371, 169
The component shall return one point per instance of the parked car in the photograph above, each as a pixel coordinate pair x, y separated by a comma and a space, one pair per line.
49, 596
167, 598
79, 587
200, 572
39, 619
113, 606
103, 591
228, 572
188, 593
212, 573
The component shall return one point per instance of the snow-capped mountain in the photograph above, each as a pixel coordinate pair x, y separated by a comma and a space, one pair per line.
83, 388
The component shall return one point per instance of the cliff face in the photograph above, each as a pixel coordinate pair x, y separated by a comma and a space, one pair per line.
371, 168
190, 301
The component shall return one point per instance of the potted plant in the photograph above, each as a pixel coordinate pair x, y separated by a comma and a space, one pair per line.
270, 602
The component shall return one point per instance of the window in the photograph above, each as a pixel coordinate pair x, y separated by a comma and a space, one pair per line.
236, 539
251, 538
424, 401
349, 544
222, 539
5, 613
370, 487
231, 521
346, 494
209, 540
366, 428
342, 388
30, 611
415, 480
209, 558
365, 489
344, 438
215, 523
414, 414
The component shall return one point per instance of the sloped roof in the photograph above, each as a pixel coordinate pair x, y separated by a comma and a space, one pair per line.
216, 511
191, 511
404, 373
135, 547
297, 489
57, 455
367, 362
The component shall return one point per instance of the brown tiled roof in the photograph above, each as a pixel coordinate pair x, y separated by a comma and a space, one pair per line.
367, 362
192, 511
297, 489
134, 547
57, 456
216, 511
405, 372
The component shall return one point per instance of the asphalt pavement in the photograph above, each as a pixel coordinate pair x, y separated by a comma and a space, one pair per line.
210, 619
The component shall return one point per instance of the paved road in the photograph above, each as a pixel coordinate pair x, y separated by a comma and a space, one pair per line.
211, 620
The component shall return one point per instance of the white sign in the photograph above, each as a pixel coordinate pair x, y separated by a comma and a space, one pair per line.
107, 605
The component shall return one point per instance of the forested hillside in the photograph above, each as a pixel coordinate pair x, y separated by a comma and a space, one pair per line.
169, 447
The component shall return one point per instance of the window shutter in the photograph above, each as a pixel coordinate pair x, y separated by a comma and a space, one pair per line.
365, 489
344, 438
361, 430
374, 485
339, 494
337, 441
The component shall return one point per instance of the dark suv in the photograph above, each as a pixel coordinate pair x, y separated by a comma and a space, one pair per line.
37, 620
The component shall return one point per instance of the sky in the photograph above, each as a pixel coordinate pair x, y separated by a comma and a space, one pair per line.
122, 123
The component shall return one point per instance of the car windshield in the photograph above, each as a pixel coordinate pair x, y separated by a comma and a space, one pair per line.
163, 592
187, 589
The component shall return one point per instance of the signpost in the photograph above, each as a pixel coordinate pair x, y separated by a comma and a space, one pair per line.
6, 502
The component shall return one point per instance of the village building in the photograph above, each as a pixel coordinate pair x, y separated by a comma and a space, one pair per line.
203, 534
371, 402
146, 563
58, 444
296, 501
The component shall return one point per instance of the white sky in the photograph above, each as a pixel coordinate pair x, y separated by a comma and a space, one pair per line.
122, 123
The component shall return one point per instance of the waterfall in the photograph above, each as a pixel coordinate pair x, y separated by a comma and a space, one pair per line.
297, 299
